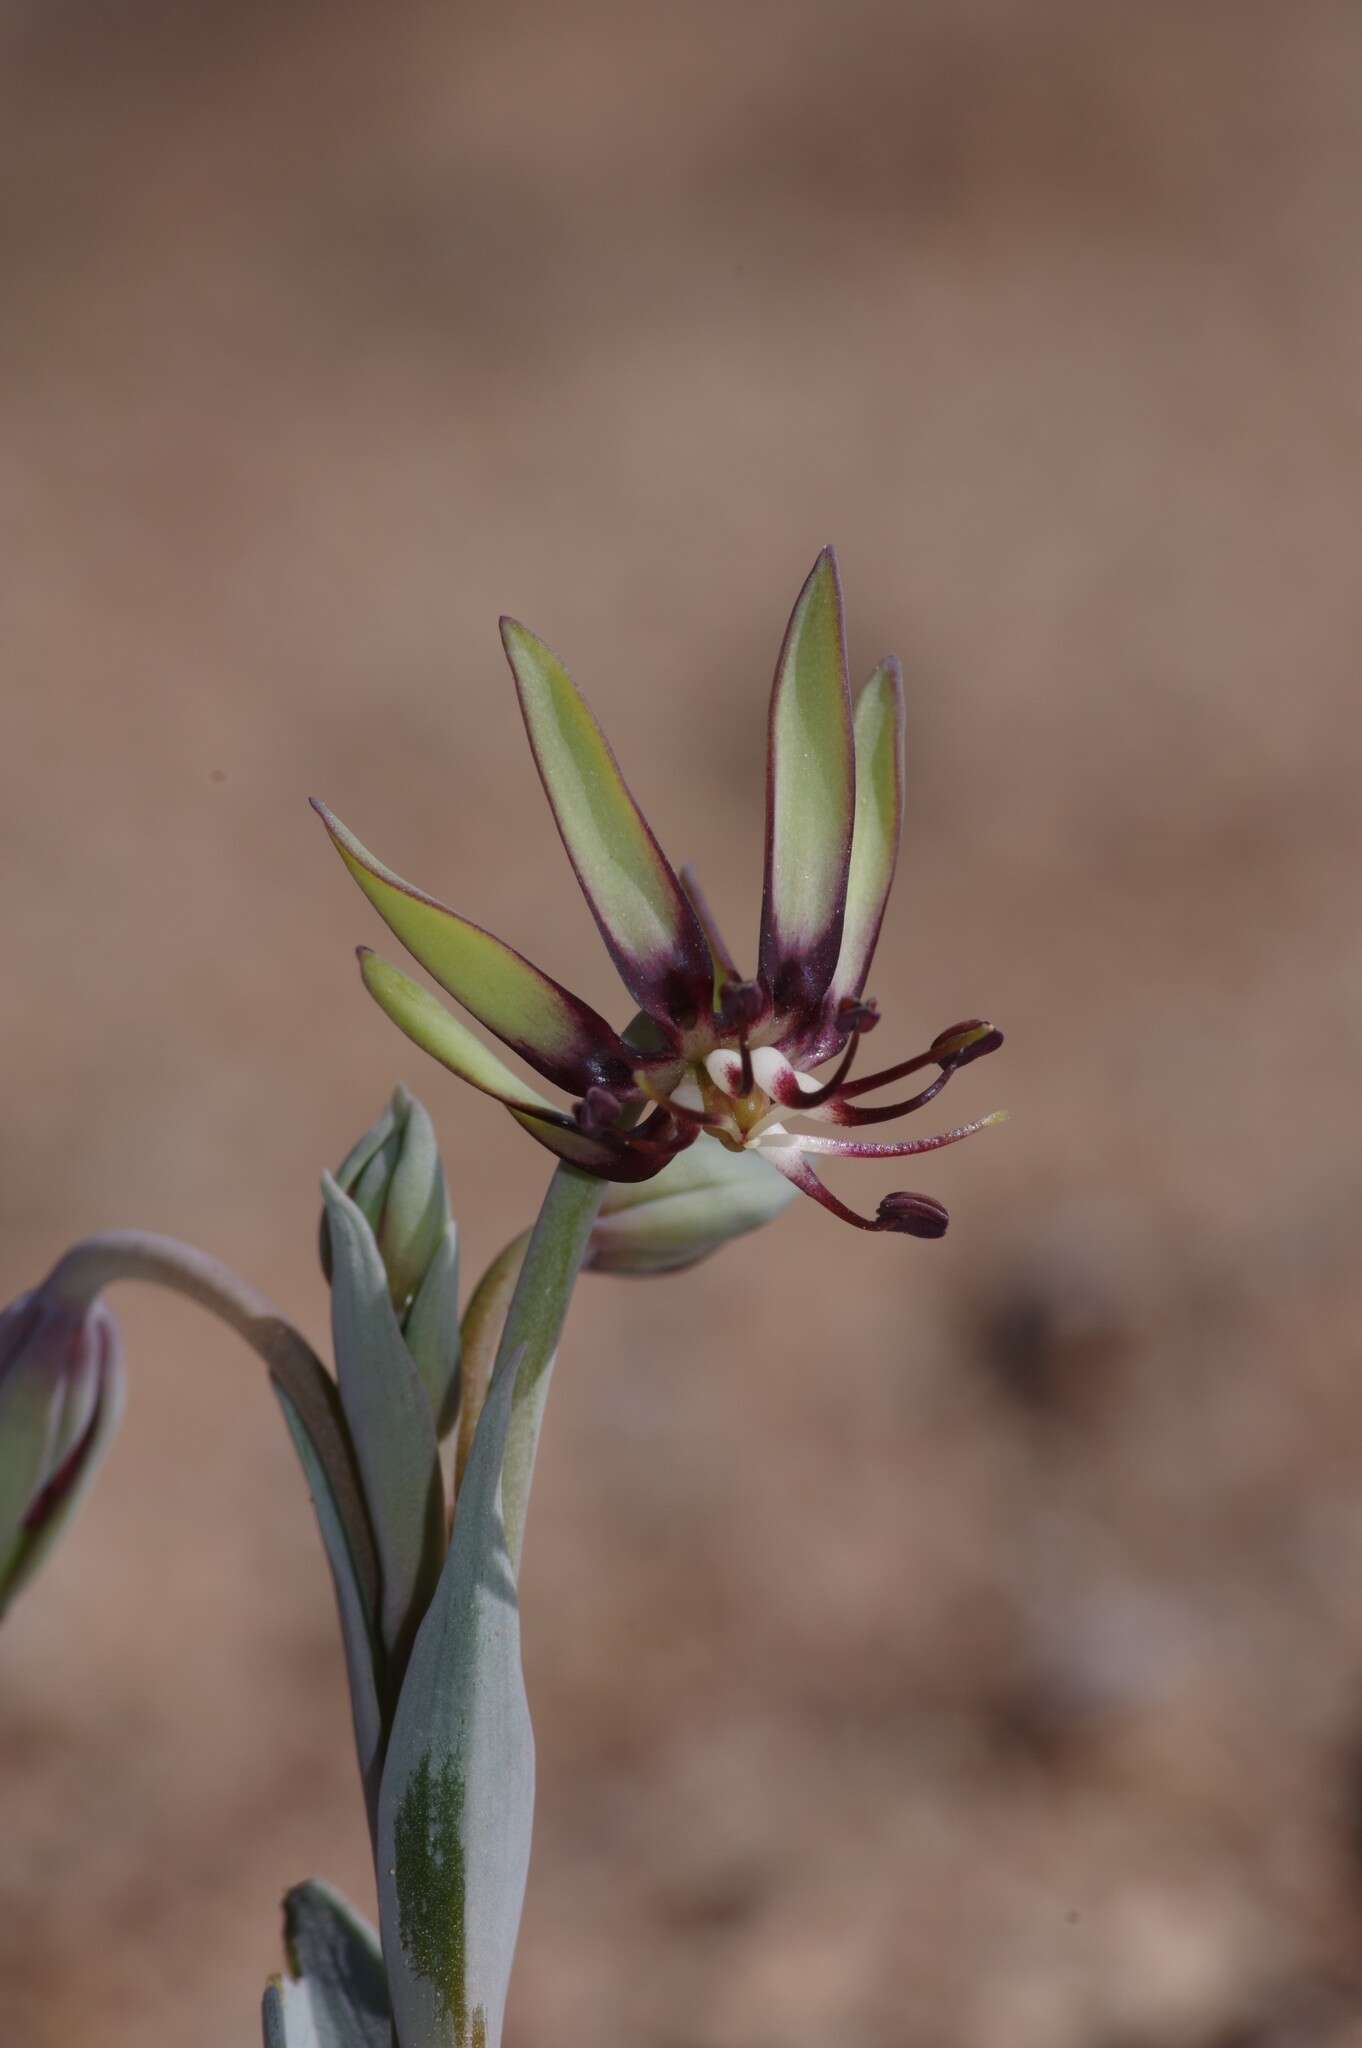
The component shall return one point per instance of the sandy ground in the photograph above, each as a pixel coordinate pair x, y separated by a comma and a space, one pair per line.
931, 1646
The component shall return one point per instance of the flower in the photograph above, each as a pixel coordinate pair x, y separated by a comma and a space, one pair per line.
61, 1395
710, 1051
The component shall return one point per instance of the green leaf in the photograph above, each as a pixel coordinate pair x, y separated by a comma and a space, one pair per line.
358, 1625
879, 823
653, 934
457, 1800
391, 1425
810, 796
429, 1024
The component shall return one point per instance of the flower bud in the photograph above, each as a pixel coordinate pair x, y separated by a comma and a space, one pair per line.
706, 1196
61, 1394
394, 1177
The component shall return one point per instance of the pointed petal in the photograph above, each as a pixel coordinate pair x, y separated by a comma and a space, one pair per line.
909, 1215
879, 823
428, 1023
810, 797
653, 934
561, 1037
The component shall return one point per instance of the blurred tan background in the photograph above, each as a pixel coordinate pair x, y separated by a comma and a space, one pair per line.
931, 1646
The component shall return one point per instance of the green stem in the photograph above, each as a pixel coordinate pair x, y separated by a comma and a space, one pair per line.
294, 1367
479, 1335
534, 1324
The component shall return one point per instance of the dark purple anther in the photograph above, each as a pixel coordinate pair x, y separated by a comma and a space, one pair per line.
914, 1215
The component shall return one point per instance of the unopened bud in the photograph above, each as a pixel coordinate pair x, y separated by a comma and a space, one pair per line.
61, 1394
914, 1215
394, 1177
705, 1197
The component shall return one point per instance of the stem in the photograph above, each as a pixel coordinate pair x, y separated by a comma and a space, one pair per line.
294, 1367
478, 1338
534, 1324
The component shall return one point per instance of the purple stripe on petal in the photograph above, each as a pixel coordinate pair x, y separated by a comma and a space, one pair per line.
613, 1155
652, 932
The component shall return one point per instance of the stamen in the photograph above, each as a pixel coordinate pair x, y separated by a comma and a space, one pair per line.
949, 1049
693, 1117
821, 1094
902, 1148
910, 1215
914, 1215
888, 1074
849, 1113
966, 1042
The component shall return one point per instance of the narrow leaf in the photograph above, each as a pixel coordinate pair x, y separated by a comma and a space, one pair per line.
358, 1624
810, 796
653, 934
561, 1037
429, 1024
879, 823
390, 1421
457, 1801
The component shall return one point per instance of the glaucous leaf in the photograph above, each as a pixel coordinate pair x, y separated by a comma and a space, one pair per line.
457, 1800
391, 1424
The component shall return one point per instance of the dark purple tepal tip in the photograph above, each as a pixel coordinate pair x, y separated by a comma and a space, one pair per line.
597, 1109
858, 1013
914, 1215
742, 1007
